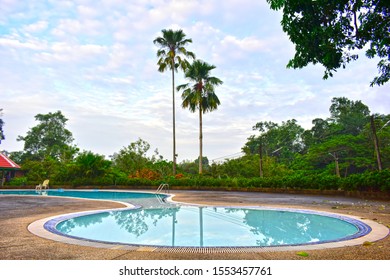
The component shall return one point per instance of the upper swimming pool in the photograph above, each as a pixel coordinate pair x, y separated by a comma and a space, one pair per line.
90, 194
137, 198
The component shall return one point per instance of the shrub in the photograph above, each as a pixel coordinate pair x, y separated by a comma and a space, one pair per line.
18, 181
146, 173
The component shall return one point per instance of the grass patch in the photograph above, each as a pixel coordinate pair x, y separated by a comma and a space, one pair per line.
368, 243
303, 254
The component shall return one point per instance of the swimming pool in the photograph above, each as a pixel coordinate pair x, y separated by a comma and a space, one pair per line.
89, 194
143, 199
190, 226
155, 222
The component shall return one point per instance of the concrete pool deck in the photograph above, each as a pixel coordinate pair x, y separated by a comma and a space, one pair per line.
17, 213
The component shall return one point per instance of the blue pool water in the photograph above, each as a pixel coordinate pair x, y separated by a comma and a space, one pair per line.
209, 227
139, 198
158, 223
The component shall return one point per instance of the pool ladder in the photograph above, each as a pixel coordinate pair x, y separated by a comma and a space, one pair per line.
161, 188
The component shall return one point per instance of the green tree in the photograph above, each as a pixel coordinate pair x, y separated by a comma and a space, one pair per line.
49, 138
90, 165
276, 140
347, 117
189, 166
200, 95
382, 127
2, 137
351, 116
132, 158
344, 153
172, 55
205, 163
192, 167
328, 32
39, 170
321, 130
247, 167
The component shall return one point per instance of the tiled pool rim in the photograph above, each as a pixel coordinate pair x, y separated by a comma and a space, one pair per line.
369, 231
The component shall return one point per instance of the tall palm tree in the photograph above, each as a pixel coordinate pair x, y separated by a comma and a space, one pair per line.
199, 95
172, 55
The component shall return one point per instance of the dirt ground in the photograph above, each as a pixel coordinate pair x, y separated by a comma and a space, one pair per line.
17, 243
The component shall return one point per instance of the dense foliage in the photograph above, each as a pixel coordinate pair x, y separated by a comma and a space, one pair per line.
330, 32
336, 153
49, 138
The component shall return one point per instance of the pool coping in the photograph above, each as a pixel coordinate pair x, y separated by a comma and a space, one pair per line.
43, 228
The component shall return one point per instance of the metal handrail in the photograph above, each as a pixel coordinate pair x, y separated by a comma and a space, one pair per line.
161, 188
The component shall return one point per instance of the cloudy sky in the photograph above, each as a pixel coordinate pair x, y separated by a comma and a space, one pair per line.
95, 61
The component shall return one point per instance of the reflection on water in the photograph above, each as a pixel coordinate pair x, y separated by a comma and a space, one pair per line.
207, 226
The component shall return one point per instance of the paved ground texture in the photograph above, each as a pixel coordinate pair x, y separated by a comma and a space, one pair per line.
17, 243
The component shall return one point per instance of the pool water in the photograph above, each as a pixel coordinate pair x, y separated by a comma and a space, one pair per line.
137, 198
208, 227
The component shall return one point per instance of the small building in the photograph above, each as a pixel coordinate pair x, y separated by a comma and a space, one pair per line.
8, 168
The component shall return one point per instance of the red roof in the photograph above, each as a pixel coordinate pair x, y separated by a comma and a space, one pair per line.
7, 163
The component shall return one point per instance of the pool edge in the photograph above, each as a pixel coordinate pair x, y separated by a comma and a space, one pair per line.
378, 232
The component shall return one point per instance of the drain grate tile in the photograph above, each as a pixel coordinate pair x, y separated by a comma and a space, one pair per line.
210, 250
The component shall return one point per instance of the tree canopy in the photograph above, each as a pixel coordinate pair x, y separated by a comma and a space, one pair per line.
330, 32
276, 140
48, 138
133, 157
342, 144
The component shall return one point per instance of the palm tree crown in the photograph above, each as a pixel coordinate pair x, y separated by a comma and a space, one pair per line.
172, 55
199, 94
171, 47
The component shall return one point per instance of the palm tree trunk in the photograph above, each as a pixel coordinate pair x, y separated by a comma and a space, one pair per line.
261, 159
173, 120
336, 162
200, 141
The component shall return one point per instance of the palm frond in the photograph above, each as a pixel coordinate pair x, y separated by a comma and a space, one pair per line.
182, 87
161, 53
214, 81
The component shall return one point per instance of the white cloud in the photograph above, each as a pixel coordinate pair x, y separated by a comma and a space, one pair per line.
72, 27
129, 80
31, 44
88, 11
241, 46
119, 56
69, 53
37, 26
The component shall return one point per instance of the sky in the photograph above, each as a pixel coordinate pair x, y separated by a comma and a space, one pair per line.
95, 61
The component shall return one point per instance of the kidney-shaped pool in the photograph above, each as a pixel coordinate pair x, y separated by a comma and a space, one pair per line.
189, 226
